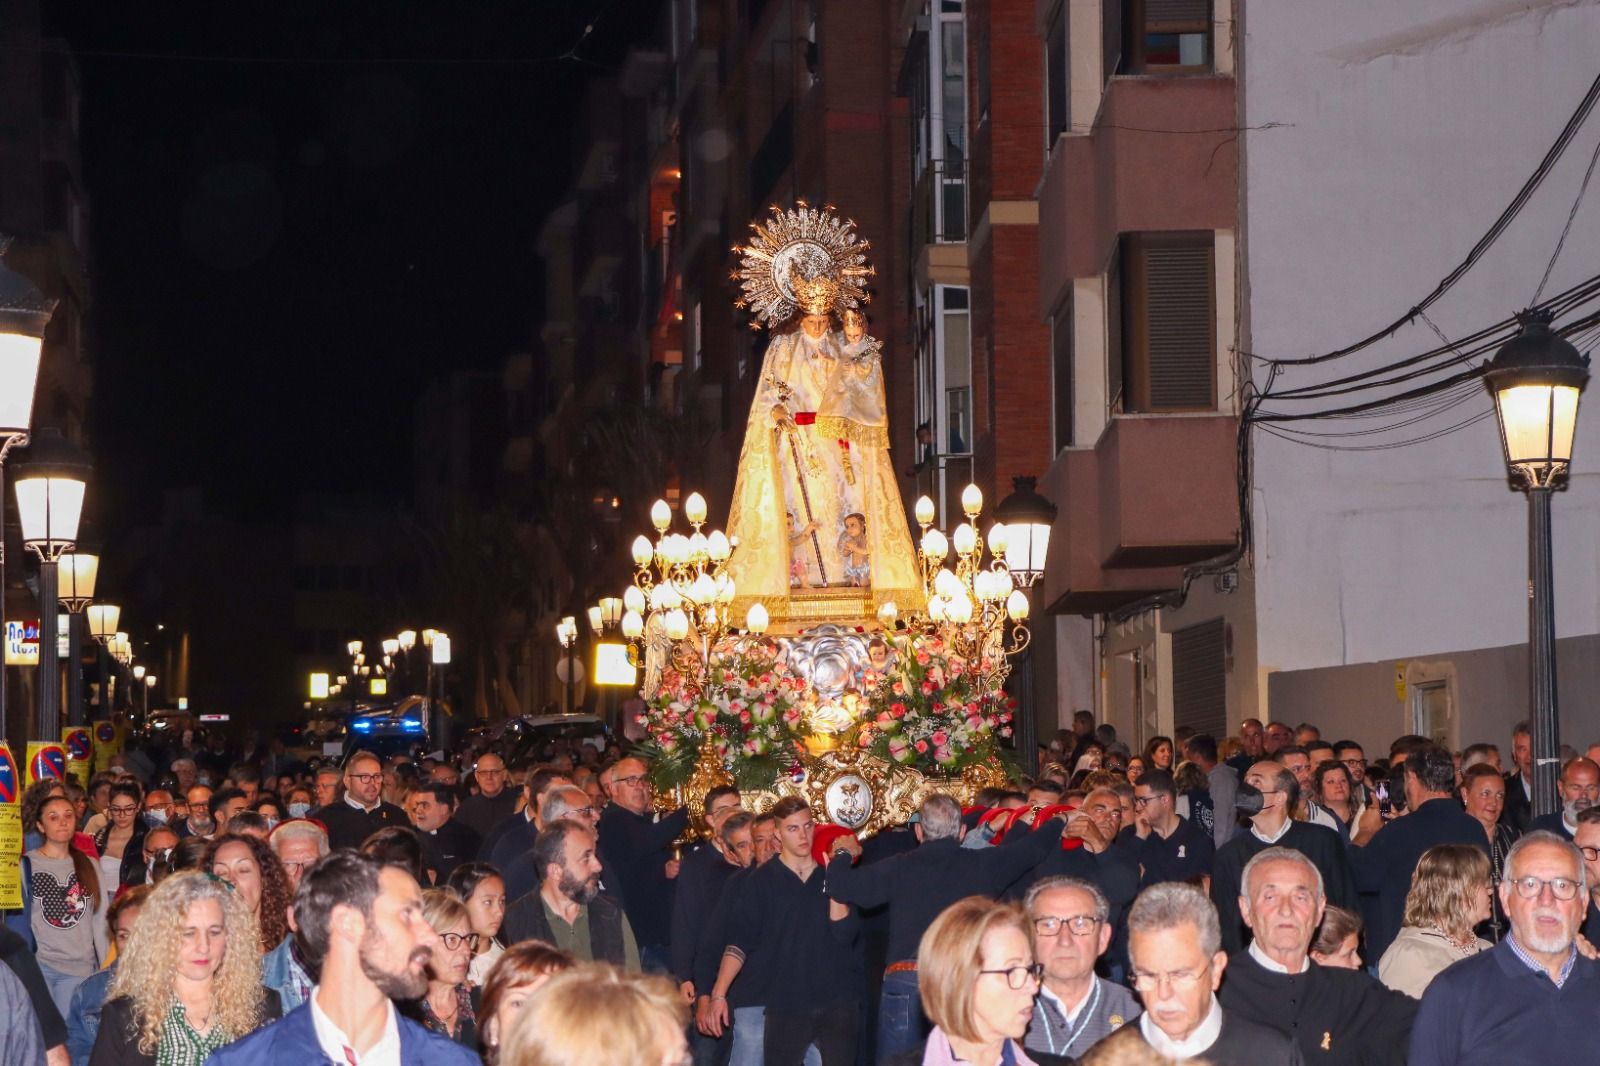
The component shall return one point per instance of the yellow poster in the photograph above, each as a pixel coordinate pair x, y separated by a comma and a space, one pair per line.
10, 856
108, 738
80, 751
46, 760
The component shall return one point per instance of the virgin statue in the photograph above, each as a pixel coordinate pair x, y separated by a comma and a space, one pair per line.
816, 504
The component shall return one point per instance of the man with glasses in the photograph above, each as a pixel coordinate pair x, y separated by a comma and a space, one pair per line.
1587, 838
1176, 950
1268, 794
1071, 929
362, 811
1334, 1015
493, 802
1580, 790
446, 843
917, 885
1533, 997
1168, 846
637, 850
298, 844
522, 873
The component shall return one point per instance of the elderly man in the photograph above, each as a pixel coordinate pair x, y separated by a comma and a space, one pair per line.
1251, 742
198, 822
361, 812
916, 886
1071, 924
446, 843
1518, 812
494, 802
1277, 737
1176, 949
568, 909
513, 835
1580, 790
1384, 866
522, 873
637, 851
1533, 998
1334, 1015
1268, 794
298, 845
325, 787
185, 773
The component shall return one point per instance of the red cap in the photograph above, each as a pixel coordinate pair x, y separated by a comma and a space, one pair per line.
823, 839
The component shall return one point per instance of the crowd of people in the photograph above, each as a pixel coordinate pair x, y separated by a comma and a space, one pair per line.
1269, 898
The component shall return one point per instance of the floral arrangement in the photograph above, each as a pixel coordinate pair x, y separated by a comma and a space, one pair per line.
750, 704
928, 710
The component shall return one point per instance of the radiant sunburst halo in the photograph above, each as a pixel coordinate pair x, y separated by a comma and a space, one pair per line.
805, 258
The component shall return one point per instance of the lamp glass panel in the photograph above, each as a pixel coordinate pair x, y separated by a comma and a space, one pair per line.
611, 665
440, 649
319, 686
77, 574
49, 508
1525, 418
103, 619
19, 374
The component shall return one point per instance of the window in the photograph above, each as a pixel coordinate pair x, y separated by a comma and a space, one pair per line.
1061, 372
980, 49
1159, 36
1055, 62
956, 361
1199, 678
1167, 342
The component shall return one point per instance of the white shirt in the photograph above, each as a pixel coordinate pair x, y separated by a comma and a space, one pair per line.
357, 804
1318, 815
386, 1052
1070, 1015
1272, 965
1274, 838
1205, 1034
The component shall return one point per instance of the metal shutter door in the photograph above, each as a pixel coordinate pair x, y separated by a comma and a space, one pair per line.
1199, 684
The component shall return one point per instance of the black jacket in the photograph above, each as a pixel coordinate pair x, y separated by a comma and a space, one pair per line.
1318, 843
1384, 867
1240, 1043
481, 813
16, 954
348, 826
118, 1043
701, 878
448, 847
1518, 811
525, 920
1336, 1016
635, 851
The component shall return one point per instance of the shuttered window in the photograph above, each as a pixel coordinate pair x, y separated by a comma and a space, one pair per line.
1160, 36
1199, 678
1061, 371
1168, 342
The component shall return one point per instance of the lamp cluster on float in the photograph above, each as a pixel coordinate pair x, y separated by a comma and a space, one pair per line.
681, 582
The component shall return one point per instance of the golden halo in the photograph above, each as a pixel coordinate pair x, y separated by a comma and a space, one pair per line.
804, 258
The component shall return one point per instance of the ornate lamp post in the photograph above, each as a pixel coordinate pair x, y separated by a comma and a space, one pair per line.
1536, 379
77, 576
24, 314
50, 487
1027, 517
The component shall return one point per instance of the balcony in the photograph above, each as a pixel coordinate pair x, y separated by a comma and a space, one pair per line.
1154, 495
939, 204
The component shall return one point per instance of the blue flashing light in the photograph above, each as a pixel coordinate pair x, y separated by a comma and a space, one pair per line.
361, 725
411, 725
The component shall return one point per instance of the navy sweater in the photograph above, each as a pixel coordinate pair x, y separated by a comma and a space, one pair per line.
1492, 1009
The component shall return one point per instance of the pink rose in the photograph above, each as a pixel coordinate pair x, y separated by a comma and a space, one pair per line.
940, 737
922, 747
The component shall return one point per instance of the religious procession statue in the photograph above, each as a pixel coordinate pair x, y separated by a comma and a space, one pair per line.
816, 506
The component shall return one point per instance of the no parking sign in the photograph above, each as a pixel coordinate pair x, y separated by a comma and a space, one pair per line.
46, 761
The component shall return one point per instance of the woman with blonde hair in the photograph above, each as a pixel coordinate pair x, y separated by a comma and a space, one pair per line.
515, 975
1450, 895
598, 1015
977, 978
189, 981
450, 1006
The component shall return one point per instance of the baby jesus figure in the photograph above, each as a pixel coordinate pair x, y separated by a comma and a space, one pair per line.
855, 551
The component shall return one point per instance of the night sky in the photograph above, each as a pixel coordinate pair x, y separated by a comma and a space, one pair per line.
301, 213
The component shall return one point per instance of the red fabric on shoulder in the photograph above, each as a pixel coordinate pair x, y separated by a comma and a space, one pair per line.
823, 839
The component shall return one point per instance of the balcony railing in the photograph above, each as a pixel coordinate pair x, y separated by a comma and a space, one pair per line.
939, 204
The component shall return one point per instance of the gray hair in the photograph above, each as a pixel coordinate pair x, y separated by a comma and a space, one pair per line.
941, 817
556, 807
1280, 854
1171, 904
190, 763
1544, 836
1102, 906
297, 828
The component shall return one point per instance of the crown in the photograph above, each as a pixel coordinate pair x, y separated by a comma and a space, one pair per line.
806, 259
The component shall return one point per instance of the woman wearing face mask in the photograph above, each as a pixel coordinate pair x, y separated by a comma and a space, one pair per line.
483, 890
298, 801
523, 968
190, 981
270, 809
250, 866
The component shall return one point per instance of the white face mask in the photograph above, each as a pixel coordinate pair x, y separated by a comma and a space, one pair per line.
299, 810
155, 818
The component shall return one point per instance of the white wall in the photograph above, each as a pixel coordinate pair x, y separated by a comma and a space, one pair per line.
1407, 127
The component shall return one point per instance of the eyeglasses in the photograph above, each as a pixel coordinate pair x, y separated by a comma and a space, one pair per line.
1017, 977
1080, 924
1140, 801
452, 941
490, 773
586, 812
296, 867
1562, 888
1354, 762
365, 779
631, 782
1592, 854
1180, 980
123, 810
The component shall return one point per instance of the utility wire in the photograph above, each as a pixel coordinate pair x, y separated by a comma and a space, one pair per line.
1561, 243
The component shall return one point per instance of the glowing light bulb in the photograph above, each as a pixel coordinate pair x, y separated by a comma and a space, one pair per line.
887, 614
660, 515
924, 511
1017, 605
633, 600
935, 546
972, 500
694, 508
959, 608
717, 546
965, 538
999, 537
756, 619
632, 625
643, 551
676, 624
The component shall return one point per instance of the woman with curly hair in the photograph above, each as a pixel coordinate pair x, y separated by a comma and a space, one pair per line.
190, 981
250, 866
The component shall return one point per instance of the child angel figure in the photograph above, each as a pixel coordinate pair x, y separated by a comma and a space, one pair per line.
855, 550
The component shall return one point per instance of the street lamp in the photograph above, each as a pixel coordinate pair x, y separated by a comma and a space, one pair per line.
1536, 379
50, 486
103, 619
24, 314
567, 636
149, 683
79, 569
1026, 517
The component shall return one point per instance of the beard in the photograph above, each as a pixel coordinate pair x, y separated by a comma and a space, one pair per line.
580, 891
407, 984
1573, 808
1551, 944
